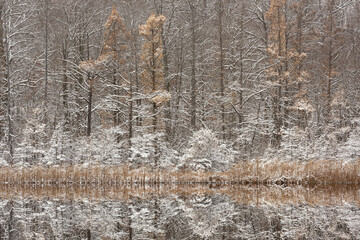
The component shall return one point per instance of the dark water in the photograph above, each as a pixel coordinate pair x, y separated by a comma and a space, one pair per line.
179, 212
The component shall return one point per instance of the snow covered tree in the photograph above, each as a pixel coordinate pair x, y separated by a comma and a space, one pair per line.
115, 74
3, 95
16, 45
77, 34
193, 65
277, 50
331, 45
283, 72
89, 69
301, 106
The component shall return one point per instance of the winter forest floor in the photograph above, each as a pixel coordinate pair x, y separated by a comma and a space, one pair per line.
310, 173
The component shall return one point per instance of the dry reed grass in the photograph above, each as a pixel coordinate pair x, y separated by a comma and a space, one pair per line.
314, 172
310, 173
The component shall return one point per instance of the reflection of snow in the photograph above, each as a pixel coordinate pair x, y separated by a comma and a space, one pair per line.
142, 220
179, 217
206, 214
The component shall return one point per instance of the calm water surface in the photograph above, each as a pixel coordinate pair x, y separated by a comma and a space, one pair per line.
178, 212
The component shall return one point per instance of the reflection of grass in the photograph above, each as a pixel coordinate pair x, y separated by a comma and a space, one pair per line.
250, 195
311, 173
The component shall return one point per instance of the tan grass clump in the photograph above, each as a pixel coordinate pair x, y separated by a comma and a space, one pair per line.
309, 173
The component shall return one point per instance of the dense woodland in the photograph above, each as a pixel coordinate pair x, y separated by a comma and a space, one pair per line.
170, 83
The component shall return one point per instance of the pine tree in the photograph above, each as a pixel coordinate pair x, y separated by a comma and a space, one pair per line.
115, 34
116, 48
301, 105
108, 65
277, 54
283, 71
332, 45
152, 75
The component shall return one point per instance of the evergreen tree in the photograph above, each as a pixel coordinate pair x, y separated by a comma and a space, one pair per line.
115, 53
283, 72
152, 75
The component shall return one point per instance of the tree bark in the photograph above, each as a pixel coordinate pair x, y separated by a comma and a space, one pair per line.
193, 68
89, 111
222, 70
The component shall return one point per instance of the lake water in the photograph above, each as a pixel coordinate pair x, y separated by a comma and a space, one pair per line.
179, 212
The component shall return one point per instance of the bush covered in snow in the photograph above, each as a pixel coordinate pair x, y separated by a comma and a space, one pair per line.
143, 151
207, 152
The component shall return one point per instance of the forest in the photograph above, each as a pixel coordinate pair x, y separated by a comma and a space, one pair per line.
201, 85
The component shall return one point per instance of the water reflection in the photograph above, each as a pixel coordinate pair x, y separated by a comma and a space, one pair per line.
178, 212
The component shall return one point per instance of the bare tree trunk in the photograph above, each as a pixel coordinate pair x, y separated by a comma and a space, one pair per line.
90, 93
222, 70
9, 120
131, 106
137, 81
11, 219
329, 73
180, 68
193, 68
2, 72
302, 121
89, 101
88, 234
241, 52
154, 106
130, 230
65, 93
116, 93
168, 113
46, 61
9, 97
